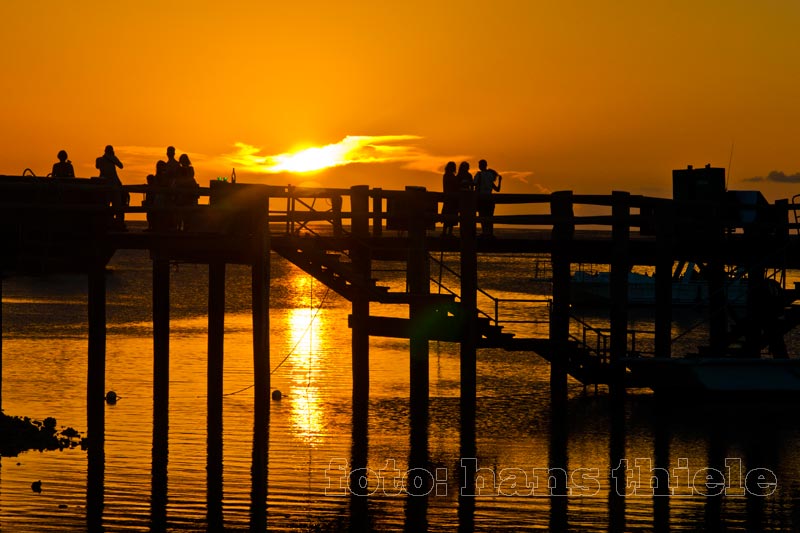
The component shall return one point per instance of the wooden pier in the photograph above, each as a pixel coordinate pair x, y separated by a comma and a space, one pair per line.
50, 225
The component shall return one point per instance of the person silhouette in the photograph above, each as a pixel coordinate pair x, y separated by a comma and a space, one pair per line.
187, 194
450, 186
63, 169
464, 177
484, 185
172, 168
107, 164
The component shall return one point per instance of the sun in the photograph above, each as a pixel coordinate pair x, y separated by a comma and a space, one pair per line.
311, 159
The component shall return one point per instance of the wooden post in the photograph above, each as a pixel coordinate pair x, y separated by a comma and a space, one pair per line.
359, 207
161, 288
95, 398
620, 266
260, 282
1, 342
377, 212
260, 304
420, 314
216, 331
665, 224
563, 232
95, 395
469, 304
717, 299
468, 356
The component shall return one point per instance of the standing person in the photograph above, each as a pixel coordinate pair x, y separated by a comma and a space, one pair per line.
187, 194
450, 186
464, 176
63, 169
107, 165
485, 180
173, 166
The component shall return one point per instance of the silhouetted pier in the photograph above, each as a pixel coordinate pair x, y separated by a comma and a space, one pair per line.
335, 235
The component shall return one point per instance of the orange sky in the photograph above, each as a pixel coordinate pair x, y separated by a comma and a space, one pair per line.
591, 96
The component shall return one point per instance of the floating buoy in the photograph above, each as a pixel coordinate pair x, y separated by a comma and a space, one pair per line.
276, 395
36, 486
111, 397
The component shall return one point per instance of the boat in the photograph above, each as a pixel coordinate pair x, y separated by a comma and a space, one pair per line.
688, 288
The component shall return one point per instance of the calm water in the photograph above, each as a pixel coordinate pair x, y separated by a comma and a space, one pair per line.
310, 434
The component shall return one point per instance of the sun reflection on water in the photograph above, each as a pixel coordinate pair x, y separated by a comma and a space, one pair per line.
304, 326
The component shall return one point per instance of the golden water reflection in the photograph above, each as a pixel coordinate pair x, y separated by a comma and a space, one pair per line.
305, 328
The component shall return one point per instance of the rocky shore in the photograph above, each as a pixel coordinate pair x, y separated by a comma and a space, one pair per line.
19, 434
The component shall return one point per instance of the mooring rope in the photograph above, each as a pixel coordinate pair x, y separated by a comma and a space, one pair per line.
292, 351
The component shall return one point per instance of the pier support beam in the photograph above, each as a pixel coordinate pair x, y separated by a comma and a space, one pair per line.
359, 207
216, 332
469, 309
620, 266
160, 451
665, 224
261, 371
161, 299
260, 279
420, 314
1, 342
95, 395
468, 358
562, 235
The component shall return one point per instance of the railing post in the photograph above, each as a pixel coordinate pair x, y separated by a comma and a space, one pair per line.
377, 212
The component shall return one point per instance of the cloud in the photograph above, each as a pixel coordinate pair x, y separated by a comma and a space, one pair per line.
778, 177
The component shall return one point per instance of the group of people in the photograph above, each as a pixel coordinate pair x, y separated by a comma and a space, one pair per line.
483, 183
177, 174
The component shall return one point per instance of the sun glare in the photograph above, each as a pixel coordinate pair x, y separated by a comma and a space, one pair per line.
311, 159
351, 149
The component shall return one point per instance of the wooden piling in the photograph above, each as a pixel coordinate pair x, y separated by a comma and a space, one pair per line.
95, 395
260, 284
161, 299
96, 383
216, 331
562, 238
420, 315
260, 278
1, 342
468, 357
620, 266
469, 312
665, 224
360, 256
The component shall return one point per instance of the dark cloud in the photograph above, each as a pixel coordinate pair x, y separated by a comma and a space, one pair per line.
778, 176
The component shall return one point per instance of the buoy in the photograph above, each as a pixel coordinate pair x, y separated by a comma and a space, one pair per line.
36, 486
111, 397
276, 395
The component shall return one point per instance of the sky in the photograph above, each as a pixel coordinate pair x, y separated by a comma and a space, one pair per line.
589, 96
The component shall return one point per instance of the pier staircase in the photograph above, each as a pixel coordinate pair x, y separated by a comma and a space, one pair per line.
442, 315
